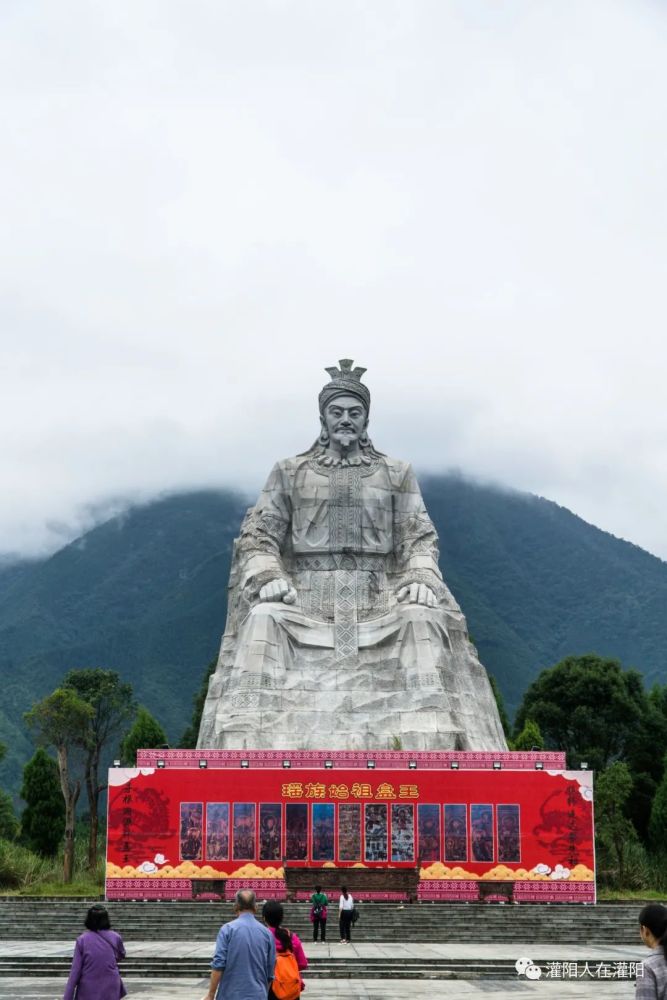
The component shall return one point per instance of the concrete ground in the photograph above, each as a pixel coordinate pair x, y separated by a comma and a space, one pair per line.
456, 949
364, 989
347, 989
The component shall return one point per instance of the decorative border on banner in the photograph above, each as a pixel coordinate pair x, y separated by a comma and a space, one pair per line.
264, 888
547, 892
148, 888
461, 890
512, 760
467, 890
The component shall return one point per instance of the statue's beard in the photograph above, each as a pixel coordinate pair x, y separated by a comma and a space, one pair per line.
345, 438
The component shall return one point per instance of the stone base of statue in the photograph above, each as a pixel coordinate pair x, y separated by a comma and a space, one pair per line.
414, 683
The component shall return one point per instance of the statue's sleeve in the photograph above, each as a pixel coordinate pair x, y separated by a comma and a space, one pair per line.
263, 534
416, 540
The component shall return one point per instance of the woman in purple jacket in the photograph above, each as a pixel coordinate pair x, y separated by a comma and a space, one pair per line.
94, 974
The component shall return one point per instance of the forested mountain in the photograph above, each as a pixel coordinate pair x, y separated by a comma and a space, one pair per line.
144, 594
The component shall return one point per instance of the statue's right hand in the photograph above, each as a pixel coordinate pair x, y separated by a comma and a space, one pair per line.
278, 590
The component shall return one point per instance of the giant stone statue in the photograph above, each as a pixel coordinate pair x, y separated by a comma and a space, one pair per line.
341, 633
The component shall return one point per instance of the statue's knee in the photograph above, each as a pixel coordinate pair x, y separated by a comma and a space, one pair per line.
264, 615
415, 612
262, 610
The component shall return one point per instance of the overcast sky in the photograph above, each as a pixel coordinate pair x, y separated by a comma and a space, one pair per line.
205, 203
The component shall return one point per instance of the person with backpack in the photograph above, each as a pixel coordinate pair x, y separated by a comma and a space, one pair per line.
290, 957
318, 913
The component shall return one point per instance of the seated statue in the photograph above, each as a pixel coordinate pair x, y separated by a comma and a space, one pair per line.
341, 632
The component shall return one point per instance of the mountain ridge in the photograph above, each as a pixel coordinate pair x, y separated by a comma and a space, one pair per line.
144, 593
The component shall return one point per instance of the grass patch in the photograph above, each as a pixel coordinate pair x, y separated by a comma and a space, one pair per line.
629, 895
23, 873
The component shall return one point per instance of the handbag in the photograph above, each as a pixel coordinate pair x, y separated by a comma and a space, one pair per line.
354, 915
123, 991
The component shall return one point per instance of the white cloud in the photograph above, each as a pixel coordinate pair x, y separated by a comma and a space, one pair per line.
203, 205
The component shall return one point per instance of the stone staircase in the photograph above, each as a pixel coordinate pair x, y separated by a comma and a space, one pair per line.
319, 968
445, 923
562, 923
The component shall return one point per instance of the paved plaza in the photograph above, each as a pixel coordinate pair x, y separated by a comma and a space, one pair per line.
193, 988
345, 989
455, 949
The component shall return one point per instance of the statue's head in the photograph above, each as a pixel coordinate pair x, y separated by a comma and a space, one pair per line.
344, 407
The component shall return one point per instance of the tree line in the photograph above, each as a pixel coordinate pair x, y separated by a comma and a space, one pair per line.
589, 706
80, 722
603, 717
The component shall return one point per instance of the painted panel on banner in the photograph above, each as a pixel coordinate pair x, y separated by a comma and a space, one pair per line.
243, 832
428, 832
349, 831
375, 832
192, 831
270, 831
323, 831
481, 832
402, 832
217, 831
296, 831
456, 832
508, 833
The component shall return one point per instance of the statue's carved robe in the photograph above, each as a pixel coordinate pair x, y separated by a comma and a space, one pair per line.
346, 665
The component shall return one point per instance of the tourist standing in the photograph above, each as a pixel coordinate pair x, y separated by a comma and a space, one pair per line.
245, 955
94, 974
345, 907
653, 929
318, 913
290, 956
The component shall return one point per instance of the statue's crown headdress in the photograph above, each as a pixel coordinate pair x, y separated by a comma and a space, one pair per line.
345, 379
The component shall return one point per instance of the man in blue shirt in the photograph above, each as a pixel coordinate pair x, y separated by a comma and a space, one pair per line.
245, 956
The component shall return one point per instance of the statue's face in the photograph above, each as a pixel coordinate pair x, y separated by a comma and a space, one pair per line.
345, 419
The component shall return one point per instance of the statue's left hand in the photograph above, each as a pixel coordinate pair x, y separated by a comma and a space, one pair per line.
418, 593
278, 590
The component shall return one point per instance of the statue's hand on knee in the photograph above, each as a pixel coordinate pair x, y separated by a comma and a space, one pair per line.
278, 590
417, 593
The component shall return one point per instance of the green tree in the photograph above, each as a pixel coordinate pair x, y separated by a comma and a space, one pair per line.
43, 819
529, 737
614, 830
500, 704
62, 720
189, 738
145, 734
112, 703
586, 705
9, 825
658, 823
645, 756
